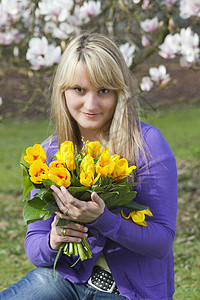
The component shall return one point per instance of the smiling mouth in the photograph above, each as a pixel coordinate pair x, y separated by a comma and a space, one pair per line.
88, 115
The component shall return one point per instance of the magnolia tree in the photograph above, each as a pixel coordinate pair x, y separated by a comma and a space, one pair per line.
37, 31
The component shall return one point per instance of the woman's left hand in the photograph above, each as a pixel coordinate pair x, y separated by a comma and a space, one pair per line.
77, 210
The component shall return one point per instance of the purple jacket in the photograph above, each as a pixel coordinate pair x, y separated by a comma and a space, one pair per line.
140, 258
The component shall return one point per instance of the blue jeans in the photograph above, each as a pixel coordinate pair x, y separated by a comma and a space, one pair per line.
40, 284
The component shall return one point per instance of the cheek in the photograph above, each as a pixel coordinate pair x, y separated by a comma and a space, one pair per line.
112, 104
72, 102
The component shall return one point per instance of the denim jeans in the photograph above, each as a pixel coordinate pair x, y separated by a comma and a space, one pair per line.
40, 284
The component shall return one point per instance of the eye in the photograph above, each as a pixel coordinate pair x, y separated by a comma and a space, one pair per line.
78, 89
104, 91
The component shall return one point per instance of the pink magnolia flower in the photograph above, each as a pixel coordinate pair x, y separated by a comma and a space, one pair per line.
145, 41
10, 13
75, 20
170, 47
146, 4
90, 10
171, 25
56, 10
40, 54
10, 37
189, 45
63, 31
170, 2
146, 84
149, 25
127, 51
189, 8
159, 74
49, 27
110, 27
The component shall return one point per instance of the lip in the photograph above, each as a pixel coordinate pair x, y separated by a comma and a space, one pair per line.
88, 115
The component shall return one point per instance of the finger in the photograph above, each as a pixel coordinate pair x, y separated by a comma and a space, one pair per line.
62, 216
67, 232
67, 196
55, 220
95, 198
63, 198
76, 226
58, 193
59, 202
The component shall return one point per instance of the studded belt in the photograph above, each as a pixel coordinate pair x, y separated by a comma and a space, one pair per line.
103, 281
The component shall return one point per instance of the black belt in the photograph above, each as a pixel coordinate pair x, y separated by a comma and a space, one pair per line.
103, 281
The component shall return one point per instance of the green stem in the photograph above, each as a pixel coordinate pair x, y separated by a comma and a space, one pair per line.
81, 251
75, 249
71, 248
56, 259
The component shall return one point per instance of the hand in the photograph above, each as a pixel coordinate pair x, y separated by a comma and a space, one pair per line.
77, 210
73, 233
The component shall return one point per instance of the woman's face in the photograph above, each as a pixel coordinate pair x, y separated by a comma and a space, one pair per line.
90, 106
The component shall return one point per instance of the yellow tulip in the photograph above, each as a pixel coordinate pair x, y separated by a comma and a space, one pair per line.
59, 176
105, 165
67, 146
138, 216
68, 158
87, 171
121, 169
93, 148
38, 172
86, 178
87, 164
35, 153
57, 164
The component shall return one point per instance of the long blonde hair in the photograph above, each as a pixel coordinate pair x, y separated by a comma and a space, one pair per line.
107, 68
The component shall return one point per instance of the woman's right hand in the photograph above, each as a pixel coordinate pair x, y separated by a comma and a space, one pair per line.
74, 232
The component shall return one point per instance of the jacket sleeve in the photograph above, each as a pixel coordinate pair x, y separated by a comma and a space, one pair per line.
37, 237
37, 243
159, 192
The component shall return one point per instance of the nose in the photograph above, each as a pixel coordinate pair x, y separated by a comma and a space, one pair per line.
91, 101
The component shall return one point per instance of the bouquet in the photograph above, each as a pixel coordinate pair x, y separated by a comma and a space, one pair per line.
81, 173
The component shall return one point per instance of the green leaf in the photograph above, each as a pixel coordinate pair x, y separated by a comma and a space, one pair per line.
51, 206
22, 162
75, 180
45, 194
28, 186
37, 203
77, 189
48, 183
135, 206
86, 196
119, 199
98, 189
63, 222
33, 210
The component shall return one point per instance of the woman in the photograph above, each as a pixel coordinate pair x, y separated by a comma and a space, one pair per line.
94, 97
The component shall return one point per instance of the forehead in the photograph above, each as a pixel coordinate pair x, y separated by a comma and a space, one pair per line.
81, 74
84, 75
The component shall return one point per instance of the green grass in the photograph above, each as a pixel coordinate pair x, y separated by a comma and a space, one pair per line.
15, 136
180, 126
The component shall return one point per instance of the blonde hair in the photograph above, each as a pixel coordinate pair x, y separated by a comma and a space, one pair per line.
107, 68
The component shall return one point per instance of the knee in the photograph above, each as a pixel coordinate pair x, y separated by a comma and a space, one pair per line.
40, 275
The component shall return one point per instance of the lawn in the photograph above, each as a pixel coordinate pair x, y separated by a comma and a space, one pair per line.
180, 127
